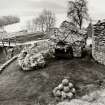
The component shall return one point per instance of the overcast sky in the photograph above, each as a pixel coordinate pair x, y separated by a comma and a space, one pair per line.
27, 9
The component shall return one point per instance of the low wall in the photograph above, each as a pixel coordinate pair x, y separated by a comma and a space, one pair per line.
3, 66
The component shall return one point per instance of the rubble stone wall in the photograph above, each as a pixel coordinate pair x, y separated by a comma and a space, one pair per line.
98, 43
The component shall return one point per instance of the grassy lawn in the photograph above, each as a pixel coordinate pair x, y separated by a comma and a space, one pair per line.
26, 38
27, 88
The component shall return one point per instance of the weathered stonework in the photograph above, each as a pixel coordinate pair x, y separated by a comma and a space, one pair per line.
69, 33
98, 43
77, 48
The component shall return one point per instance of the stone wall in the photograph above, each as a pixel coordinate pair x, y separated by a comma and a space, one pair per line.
77, 48
98, 44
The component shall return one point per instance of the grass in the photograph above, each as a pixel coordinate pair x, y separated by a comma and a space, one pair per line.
28, 37
27, 88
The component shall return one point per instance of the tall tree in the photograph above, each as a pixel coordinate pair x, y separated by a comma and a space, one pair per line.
78, 11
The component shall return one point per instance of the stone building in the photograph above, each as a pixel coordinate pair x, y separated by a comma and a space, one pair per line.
69, 33
98, 44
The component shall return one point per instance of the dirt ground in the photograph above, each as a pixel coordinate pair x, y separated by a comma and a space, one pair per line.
28, 88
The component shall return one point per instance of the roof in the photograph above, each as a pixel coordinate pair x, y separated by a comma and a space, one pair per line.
65, 25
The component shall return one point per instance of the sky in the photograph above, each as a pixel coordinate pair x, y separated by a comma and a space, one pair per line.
28, 9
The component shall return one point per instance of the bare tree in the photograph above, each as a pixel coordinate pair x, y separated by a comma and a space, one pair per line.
35, 24
29, 25
49, 19
44, 21
78, 11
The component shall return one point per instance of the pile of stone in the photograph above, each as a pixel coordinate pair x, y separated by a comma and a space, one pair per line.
64, 91
30, 61
34, 57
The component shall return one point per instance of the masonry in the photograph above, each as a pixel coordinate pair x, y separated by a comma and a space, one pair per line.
98, 43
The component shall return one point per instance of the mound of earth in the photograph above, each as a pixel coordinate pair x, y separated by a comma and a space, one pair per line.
35, 87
